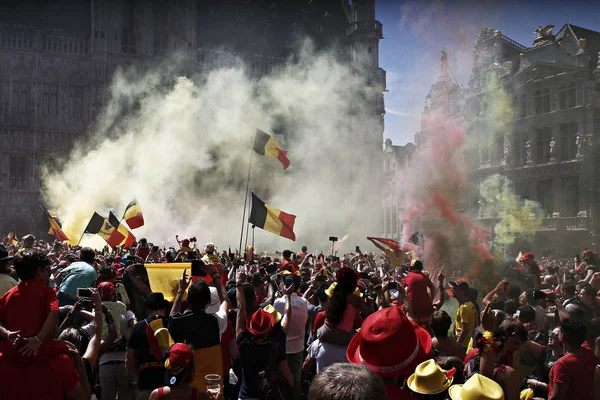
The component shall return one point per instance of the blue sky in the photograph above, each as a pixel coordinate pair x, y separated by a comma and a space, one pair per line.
416, 30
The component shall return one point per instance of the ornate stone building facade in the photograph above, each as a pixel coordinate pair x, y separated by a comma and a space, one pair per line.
56, 65
532, 114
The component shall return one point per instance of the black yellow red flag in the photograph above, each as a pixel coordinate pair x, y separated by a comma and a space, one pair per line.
54, 225
133, 215
271, 219
266, 145
124, 236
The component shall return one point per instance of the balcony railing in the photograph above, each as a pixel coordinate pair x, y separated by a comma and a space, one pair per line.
366, 26
27, 38
553, 224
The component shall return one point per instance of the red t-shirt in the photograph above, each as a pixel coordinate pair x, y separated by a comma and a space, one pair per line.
25, 308
416, 288
227, 337
322, 317
576, 370
50, 380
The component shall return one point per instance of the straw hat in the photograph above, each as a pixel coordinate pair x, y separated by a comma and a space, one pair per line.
429, 378
477, 387
276, 314
526, 394
331, 288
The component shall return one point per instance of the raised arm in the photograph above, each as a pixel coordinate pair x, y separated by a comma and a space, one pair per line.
184, 283
241, 300
93, 350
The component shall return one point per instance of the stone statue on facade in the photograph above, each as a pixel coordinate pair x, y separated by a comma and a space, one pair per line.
552, 150
484, 34
528, 149
522, 64
544, 35
578, 145
506, 151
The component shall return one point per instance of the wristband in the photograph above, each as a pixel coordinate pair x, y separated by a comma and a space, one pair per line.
38, 339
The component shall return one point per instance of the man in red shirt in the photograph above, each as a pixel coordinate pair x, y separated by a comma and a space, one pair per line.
287, 264
29, 313
572, 377
416, 284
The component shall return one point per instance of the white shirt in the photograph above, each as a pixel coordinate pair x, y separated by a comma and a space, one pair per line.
326, 354
297, 327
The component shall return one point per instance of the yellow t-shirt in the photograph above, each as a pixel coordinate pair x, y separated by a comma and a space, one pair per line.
466, 314
395, 261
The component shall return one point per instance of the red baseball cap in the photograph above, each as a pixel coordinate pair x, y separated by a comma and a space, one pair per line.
107, 290
180, 357
526, 256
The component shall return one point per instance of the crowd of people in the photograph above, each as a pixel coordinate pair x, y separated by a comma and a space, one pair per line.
77, 323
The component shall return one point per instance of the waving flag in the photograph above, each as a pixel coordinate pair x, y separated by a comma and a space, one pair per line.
54, 225
133, 215
266, 145
12, 237
100, 226
271, 219
124, 238
388, 242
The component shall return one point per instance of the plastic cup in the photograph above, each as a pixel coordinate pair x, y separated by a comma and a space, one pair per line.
213, 385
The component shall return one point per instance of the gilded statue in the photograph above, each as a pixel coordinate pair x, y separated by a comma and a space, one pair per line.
544, 35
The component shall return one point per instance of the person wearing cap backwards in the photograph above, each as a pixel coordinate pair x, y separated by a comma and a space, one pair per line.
392, 346
255, 349
146, 372
179, 365
112, 371
6, 281
28, 241
416, 284
466, 315
202, 331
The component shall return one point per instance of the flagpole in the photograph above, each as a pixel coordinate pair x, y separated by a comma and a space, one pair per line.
81, 238
247, 232
245, 200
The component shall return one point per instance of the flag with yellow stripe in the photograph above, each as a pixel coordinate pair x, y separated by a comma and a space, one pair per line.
54, 225
271, 219
124, 236
266, 145
100, 226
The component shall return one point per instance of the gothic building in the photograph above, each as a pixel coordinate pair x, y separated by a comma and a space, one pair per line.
57, 62
532, 114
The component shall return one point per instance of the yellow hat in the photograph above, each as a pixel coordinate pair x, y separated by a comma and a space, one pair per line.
477, 387
526, 394
429, 378
276, 314
331, 288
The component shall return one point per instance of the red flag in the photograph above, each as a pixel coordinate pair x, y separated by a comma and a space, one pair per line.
388, 242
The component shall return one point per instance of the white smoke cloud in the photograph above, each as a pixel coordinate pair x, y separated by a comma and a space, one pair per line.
183, 147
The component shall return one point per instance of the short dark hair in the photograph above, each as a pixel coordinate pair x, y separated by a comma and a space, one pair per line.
343, 381
199, 295
304, 249
28, 263
569, 288
526, 314
440, 323
513, 291
287, 253
589, 290
88, 255
449, 362
512, 327
497, 304
511, 306
292, 279
321, 295
573, 331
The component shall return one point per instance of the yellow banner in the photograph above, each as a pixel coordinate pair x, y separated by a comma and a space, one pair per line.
164, 278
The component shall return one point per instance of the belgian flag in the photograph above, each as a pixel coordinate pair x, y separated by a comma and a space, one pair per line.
266, 145
12, 237
133, 215
100, 226
271, 219
122, 235
54, 225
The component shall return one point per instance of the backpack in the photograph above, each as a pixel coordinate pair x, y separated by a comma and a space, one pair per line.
158, 337
271, 385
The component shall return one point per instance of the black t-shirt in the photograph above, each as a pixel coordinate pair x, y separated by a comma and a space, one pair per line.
254, 357
278, 336
149, 378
